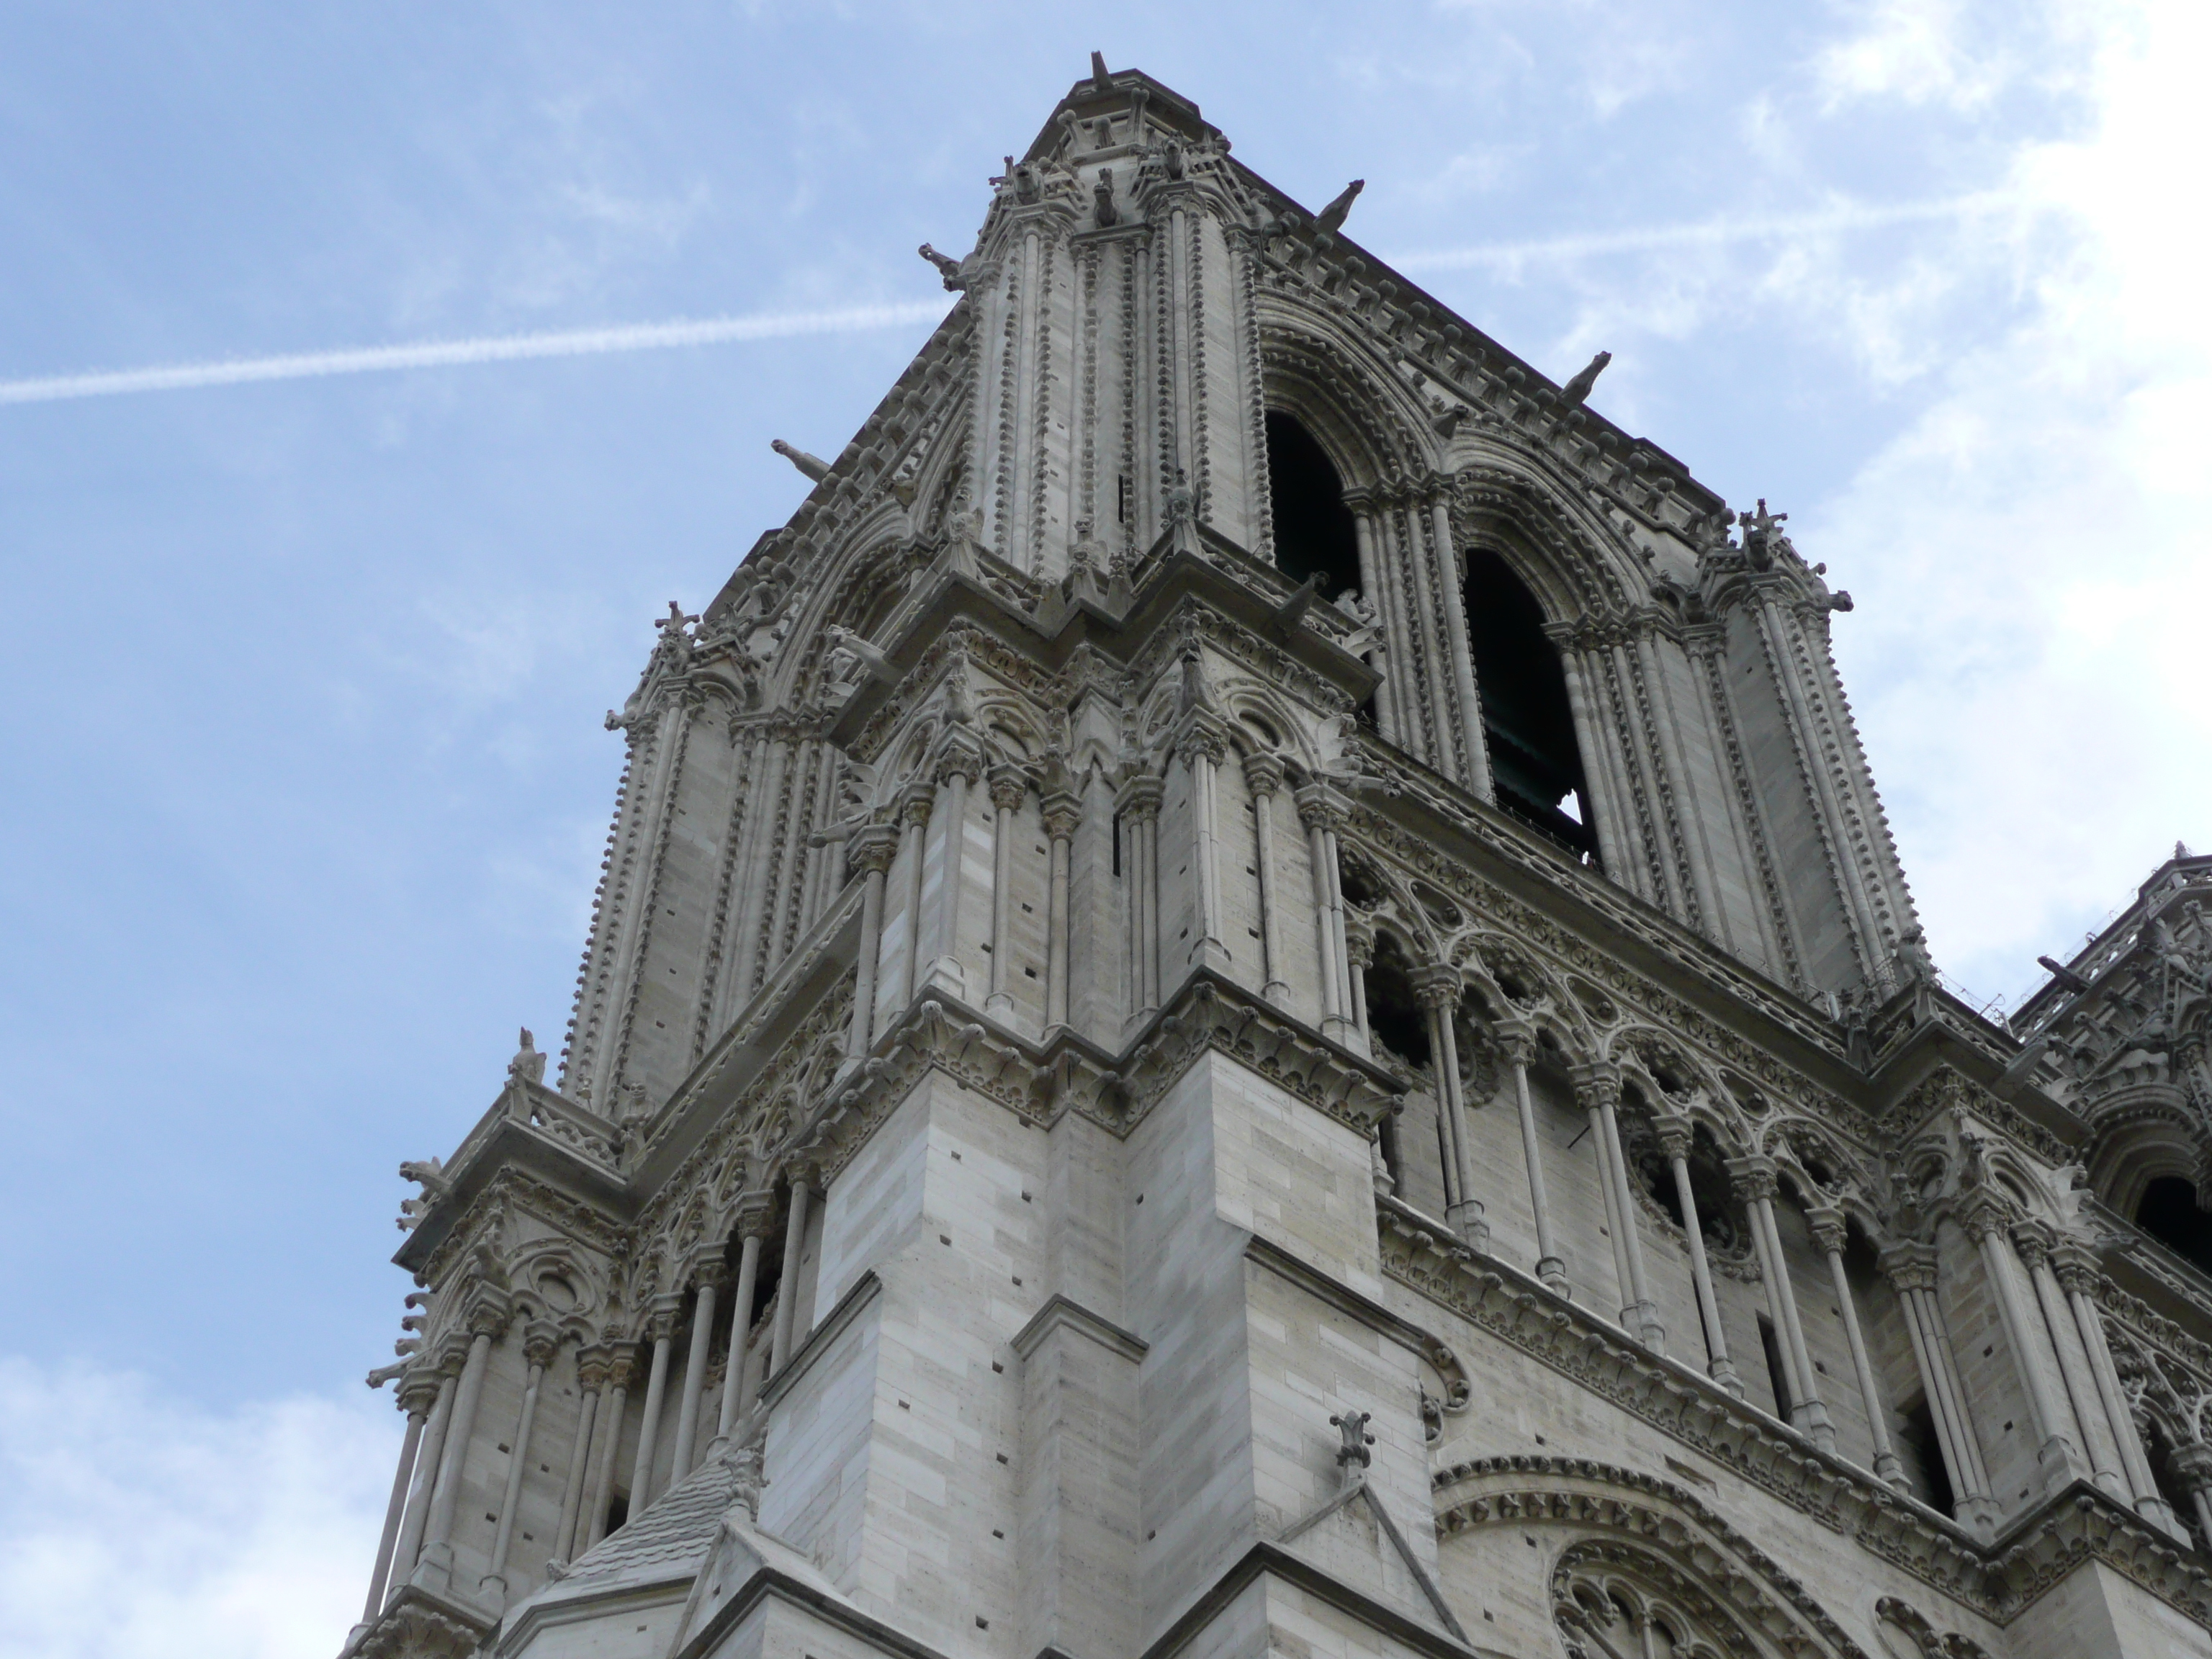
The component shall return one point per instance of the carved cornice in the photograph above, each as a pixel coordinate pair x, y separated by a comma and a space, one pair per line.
2078, 1524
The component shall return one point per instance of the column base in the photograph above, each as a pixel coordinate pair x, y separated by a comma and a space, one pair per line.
1338, 1029
433, 1570
1648, 1328
1554, 1272
946, 975
1812, 1420
2056, 1458
1466, 1219
1890, 1470
998, 1006
1723, 1371
1276, 993
1980, 1515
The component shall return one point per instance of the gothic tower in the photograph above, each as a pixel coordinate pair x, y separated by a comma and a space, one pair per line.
1248, 994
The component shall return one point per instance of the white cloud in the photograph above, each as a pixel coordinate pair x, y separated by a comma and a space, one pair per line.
136, 1527
1912, 49
2034, 553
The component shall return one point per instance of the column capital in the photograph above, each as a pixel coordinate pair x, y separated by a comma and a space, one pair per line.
1359, 944
2192, 1466
915, 803
1517, 1038
418, 1389
2076, 1266
1439, 985
756, 1216
1062, 812
1985, 1218
660, 1323
1755, 1175
1909, 1267
626, 1362
595, 1363
1201, 737
1140, 797
1598, 1084
710, 1270
1318, 806
2033, 1239
1263, 772
873, 846
489, 1313
541, 1341
1828, 1226
1008, 785
958, 760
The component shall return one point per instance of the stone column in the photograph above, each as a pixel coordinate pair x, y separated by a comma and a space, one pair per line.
435, 1570
916, 802
1062, 813
786, 1294
1439, 988
872, 849
1263, 775
1008, 786
1139, 805
2192, 1466
1453, 605
428, 1459
2055, 1455
660, 1329
710, 1276
1519, 1044
756, 1214
1319, 815
1599, 1087
1755, 1177
955, 772
754, 920
1676, 1135
2033, 1241
417, 1394
1830, 1232
2078, 1276
539, 1344
592, 1367
1359, 956
1911, 1268
623, 1370
1203, 749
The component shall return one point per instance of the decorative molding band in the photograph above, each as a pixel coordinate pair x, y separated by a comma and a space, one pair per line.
2035, 1553
1062, 1310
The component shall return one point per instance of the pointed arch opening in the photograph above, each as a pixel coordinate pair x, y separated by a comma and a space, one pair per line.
1315, 535
1527, 723
2168, 1211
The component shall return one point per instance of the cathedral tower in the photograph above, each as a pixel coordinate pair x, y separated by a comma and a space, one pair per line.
1249, 992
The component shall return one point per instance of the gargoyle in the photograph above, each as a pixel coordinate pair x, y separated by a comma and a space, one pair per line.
435, 1187
947, 267
869, 657
1577, 392
812, 466
1331, 217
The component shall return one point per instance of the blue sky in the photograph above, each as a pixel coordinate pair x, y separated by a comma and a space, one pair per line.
305, 783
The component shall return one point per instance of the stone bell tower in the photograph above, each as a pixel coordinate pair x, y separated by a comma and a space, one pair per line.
1248, 991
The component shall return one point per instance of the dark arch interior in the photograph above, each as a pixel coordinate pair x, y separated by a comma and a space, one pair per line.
2169, 1214
1526, 718
1313, 533
1395, 1015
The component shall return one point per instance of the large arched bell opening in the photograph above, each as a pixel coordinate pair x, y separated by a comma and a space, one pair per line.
1315, 535
1527, 723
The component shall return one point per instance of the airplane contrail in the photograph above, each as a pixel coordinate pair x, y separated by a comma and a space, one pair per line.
1708, 233
715, 331
485, 348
